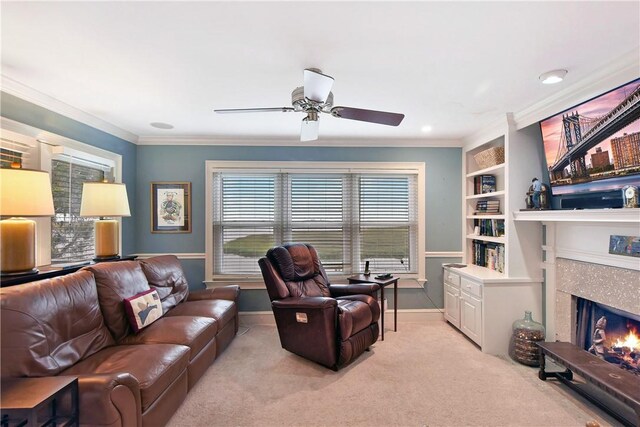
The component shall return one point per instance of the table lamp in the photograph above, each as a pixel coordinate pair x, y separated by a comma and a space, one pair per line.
23, 193
105, 199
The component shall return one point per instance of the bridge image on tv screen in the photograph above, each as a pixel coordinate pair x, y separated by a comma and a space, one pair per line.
595, 146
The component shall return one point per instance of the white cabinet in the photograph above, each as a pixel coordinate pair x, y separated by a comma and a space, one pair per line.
483, 304
471, 317
452, 304
463, 304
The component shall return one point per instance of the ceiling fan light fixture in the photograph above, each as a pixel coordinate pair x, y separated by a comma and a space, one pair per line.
310, 127
553, 76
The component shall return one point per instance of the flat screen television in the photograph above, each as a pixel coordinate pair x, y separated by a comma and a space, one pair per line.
592, 150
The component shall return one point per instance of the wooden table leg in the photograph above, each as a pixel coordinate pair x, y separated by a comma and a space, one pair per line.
395, 306
382, 311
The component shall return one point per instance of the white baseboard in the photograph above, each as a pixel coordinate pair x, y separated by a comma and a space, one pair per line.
419, 315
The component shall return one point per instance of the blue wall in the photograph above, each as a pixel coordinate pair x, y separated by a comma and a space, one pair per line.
25, 112
187, 163
144, 164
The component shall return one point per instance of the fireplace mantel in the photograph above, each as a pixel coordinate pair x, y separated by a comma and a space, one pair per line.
583, 236
583, 215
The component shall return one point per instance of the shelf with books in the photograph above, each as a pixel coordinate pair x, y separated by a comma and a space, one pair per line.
485, 195
488, 254
486, 216
500, 239
495, 169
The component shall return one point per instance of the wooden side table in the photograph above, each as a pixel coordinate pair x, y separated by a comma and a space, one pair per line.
22, 399
370, 278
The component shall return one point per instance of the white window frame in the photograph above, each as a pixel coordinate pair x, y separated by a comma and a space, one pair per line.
46, 145
213, 166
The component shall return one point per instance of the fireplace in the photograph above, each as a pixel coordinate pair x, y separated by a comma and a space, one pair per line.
609, 333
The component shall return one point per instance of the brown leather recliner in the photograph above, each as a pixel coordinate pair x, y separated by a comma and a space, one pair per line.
328, 324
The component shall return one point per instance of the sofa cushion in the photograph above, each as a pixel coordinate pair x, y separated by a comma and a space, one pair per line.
49, 325
165, 274
155, 366
115, 282
143, 309
222, 311
194, 332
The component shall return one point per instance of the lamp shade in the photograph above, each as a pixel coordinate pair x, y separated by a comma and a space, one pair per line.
25, 192
104, 199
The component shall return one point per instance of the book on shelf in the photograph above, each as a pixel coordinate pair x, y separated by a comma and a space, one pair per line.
483, 184
489, 255
490, 227
485, 207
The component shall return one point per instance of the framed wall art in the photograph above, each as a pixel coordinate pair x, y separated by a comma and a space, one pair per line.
170, 207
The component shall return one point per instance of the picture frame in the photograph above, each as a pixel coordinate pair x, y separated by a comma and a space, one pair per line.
170, 207
624, 245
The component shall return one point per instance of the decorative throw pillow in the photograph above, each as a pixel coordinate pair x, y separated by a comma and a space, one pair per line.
143, 309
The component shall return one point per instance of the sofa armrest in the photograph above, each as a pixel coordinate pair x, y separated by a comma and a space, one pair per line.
304, 303
355, 289
109, 400
229, 293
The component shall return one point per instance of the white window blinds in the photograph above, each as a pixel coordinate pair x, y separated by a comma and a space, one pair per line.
245, 218
350, 218
388, 223
318, 217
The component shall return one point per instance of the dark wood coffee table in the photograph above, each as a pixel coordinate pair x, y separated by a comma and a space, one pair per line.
23, 399
617, 382
371, 278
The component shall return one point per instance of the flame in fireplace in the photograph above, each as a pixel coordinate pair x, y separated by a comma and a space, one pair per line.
631, 341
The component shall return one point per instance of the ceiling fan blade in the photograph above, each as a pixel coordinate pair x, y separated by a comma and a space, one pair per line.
255, 110
309, 130
372, 116
317, 85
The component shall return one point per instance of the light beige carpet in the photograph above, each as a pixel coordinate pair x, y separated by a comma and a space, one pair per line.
423, 375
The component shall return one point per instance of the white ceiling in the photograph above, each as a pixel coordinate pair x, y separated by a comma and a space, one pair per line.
455, 66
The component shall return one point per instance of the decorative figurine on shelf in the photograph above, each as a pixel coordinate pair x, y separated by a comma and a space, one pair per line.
538, 195
366, 268
599, 336
630, 196
537, 189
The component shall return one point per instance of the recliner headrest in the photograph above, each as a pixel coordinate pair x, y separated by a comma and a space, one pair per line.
295, 261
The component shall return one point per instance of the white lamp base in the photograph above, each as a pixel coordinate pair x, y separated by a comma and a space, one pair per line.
107, 239
17, 246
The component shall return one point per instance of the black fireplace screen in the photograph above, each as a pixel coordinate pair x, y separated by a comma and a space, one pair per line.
609, 333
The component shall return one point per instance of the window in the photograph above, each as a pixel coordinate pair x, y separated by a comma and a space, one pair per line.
72, 236
66, 237
350, 215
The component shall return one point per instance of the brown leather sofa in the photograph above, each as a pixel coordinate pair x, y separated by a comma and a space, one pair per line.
326, 323
76, 325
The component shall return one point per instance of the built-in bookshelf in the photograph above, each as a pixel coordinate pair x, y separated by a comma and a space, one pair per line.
485, 207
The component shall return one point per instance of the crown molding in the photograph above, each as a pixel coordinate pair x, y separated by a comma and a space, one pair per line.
36, 97
616, 73
371, 142
495, 129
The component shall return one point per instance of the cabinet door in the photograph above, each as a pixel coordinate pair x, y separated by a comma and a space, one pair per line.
452, 305
471, 317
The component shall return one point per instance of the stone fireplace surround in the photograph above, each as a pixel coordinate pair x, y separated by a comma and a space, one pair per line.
576, 263
613, 286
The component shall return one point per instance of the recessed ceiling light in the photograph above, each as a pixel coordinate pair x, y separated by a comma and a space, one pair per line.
161, 125
426, 128
553, 76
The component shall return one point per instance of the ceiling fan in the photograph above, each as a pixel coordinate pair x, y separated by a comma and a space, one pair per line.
316, 97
